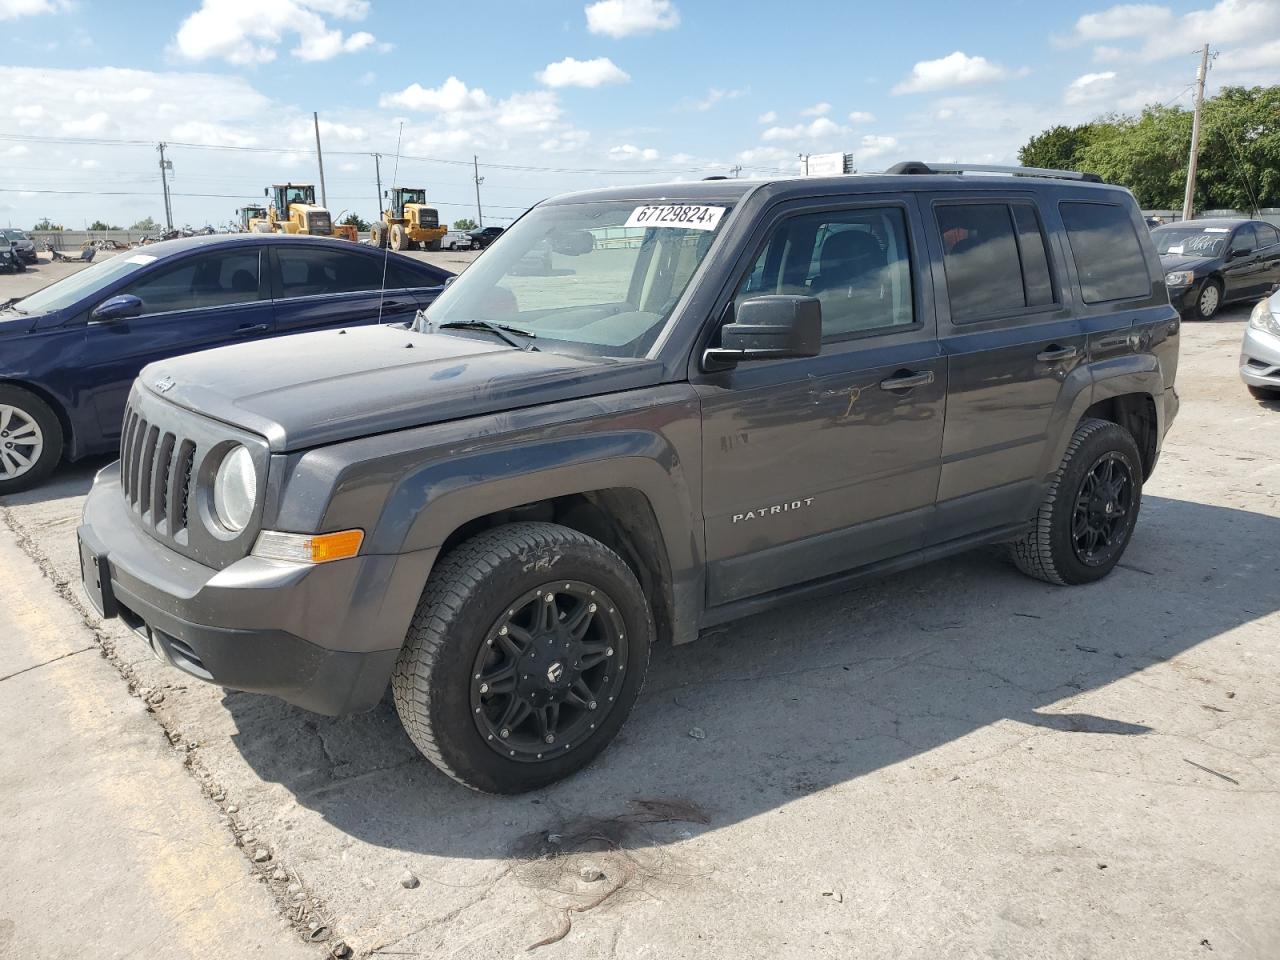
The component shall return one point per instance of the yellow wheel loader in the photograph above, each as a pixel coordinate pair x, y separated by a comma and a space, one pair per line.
294, 210
408, 223
250, 215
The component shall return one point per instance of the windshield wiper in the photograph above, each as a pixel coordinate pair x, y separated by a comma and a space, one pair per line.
9, 304
500, 330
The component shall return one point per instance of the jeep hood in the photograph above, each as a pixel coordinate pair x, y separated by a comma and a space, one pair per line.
318, 388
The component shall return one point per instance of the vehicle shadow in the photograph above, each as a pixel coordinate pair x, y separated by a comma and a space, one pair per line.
820, 693
69, 480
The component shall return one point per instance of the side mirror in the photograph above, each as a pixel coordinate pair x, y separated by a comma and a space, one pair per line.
1239, 252
116, 308
266, 191
386, 194
772, 327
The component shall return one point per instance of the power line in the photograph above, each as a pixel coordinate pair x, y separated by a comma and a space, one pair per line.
218, 196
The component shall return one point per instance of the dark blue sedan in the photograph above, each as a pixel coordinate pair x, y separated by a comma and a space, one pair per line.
69, 353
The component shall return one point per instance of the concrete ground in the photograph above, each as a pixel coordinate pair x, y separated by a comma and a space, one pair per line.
955, 761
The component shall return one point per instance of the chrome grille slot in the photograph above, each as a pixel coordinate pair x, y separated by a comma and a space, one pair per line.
180, 494
135, 458
148, 464
160, 480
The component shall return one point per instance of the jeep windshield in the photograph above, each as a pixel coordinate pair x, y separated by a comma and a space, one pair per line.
597, 278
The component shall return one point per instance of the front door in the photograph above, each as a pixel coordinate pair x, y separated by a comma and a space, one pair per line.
819, 465
321, 286
202, 301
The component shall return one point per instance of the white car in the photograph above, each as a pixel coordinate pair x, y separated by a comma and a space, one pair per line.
1260, 352
456, 240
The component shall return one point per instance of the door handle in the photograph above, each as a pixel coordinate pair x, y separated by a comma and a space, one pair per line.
250, 329
1056, 354
906, 380
392, 304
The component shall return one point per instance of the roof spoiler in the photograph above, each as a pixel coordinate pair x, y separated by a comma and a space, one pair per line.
916, 167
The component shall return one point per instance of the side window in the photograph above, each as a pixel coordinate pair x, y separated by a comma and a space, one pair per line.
1267, 235
1106, 251
980, 253
202, 281
399, 277
1245, 239
306, 273
1035, 256
856, 262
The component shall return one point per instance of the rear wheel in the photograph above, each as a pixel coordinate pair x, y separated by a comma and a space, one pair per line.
399, 237
434, 246
30, 440
378, 234
1087, 518
526, 654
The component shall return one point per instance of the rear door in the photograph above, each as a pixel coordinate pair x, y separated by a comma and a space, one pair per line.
200, 301
813, 466
1006, 326
320, 286
1269, 252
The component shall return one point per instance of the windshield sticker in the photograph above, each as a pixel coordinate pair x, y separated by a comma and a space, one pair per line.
686, 216
1217, 229
143, 258
1177, 249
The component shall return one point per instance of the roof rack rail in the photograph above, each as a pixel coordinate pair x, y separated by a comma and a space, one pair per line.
916, 167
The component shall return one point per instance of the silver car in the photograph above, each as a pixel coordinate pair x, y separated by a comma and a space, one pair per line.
1260, 352
23, 245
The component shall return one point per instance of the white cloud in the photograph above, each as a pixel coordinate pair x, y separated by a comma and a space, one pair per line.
565, 142
861, 116
816, 130
12, 9
582, 73
80, 164
1090, 87
872, 146
629, 152
1233, 21
955, 69
247, 32
1103, 53
215, 134
17, 150
450, 96
714, 96
95, 123
28, 111
1124, 20
535, 112
303, 131
769, 159
817, 110
622, 18
769, 116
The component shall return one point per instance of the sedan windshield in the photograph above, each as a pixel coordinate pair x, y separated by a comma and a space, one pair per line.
596, 278
1191, 241
72, 289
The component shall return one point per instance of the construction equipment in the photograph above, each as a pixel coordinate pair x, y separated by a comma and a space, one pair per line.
294, 210
408, 222
249, 214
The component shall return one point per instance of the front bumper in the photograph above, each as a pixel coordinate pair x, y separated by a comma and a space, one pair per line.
322, 637
1184, 299
1260, 358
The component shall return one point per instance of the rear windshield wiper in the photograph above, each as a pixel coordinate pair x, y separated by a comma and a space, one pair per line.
500, 330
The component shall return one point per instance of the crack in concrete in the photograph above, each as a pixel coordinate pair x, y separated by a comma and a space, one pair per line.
37, 666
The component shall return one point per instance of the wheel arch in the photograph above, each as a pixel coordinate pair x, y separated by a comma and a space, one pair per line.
1136, 413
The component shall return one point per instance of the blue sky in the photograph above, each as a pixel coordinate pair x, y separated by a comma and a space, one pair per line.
554, 95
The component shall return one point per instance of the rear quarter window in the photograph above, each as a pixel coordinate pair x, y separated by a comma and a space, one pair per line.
1106, 251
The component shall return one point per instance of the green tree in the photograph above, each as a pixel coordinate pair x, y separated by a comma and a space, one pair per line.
466, 223
354, 220
46, 224
1239, 165
1057, 148
101, 225
146, 225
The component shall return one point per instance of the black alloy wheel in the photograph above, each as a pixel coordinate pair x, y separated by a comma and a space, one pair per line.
1101, 519
549, 671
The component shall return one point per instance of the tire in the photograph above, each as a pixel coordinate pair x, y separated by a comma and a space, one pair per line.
1051, 550
378, 234
1265, 394
29, 431
466, 626
1208, 300
433, 246
399, 237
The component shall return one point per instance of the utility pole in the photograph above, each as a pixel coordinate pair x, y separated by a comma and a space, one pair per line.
165, 166
737, 171
475, 165
324, 200
377, 172
1188, 201
804, 158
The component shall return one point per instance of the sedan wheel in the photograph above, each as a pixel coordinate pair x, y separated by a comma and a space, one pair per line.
21, 442
1209, 300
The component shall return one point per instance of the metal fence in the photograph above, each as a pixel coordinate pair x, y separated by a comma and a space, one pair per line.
1269, 214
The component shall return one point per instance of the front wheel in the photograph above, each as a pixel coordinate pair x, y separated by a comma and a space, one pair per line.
1209, 300
527, 652
1087, 518
30, 440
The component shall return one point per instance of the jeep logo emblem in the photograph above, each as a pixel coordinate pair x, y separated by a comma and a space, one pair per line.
555, 672
165, 384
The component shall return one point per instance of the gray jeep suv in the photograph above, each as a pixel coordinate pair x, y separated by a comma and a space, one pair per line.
646, 411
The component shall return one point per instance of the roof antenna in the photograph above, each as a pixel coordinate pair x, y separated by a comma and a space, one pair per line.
386, 251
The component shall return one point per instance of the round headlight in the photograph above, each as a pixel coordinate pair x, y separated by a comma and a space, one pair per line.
235, 488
